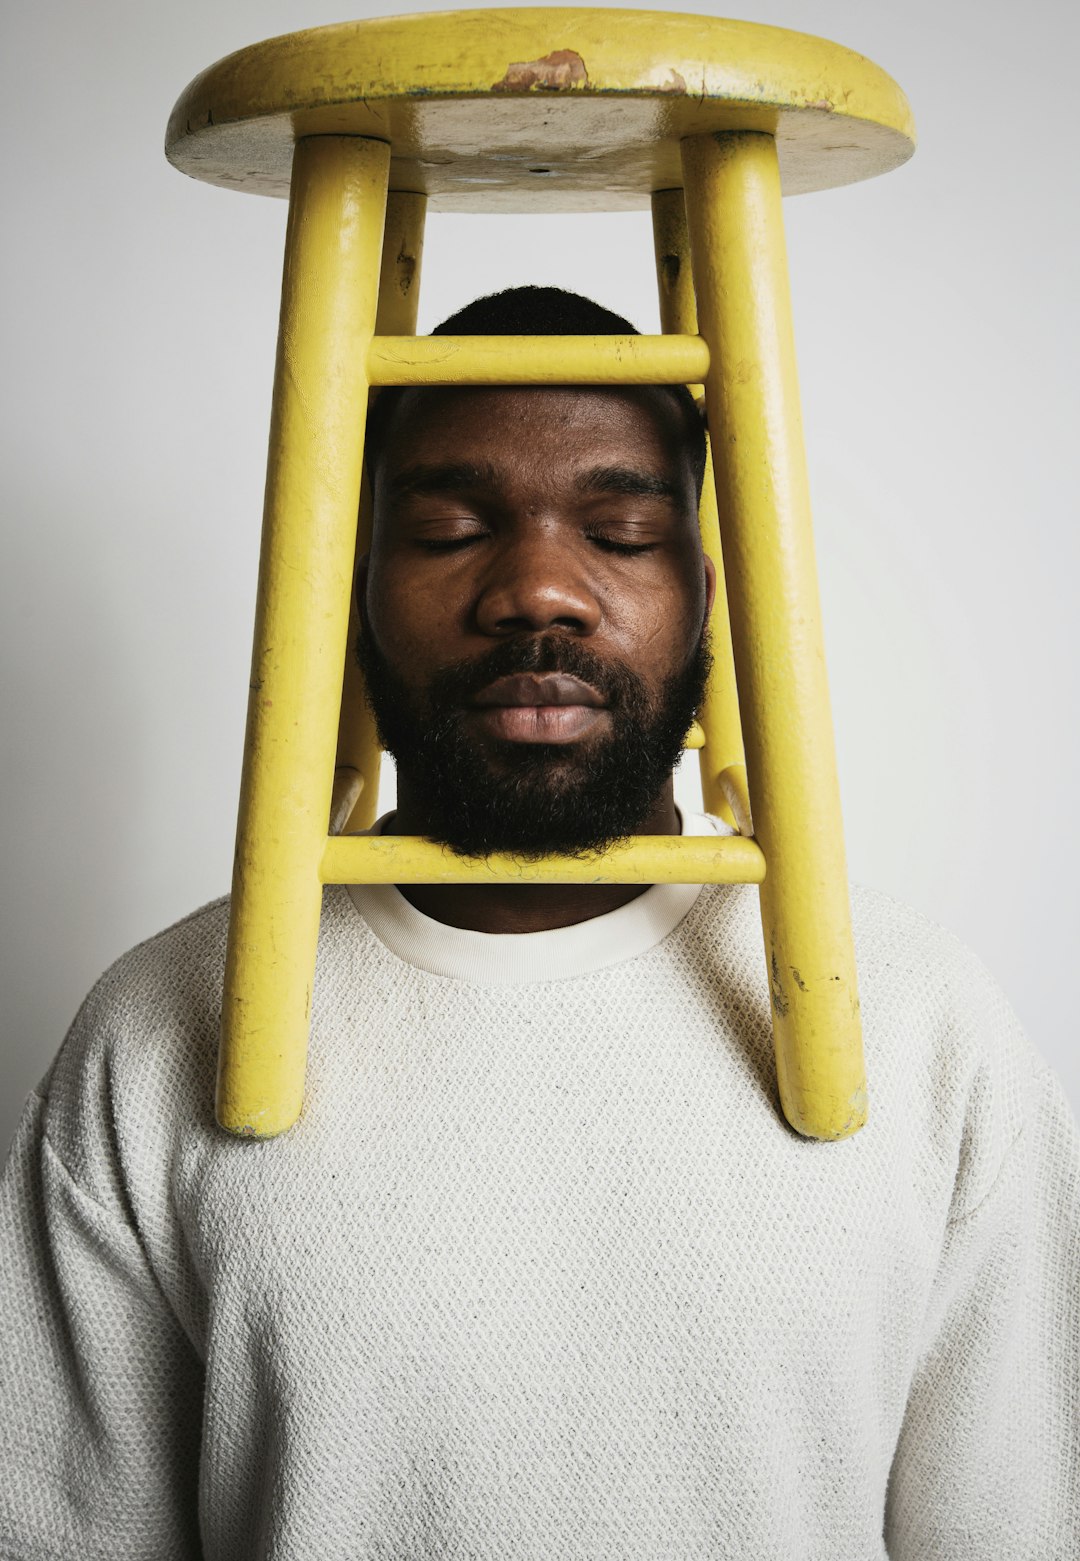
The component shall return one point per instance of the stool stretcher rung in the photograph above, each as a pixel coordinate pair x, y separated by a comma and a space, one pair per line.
537, 360
647, 859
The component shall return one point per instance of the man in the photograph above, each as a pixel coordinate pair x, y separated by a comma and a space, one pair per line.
542, 1272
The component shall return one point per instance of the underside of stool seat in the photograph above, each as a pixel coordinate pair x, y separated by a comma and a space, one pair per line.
465, 98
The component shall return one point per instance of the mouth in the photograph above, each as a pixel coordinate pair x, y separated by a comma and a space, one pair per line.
547, 707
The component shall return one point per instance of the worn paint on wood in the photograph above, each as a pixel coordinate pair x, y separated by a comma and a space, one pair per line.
540, 109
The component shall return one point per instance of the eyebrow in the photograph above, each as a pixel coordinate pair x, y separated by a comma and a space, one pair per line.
623, 479
445, 477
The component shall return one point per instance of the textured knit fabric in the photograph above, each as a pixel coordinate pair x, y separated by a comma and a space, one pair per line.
542, 1272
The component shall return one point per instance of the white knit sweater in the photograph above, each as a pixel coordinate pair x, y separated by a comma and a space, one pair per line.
542, 1274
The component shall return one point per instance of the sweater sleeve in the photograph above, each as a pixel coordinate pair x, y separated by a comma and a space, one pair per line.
987, 1466
100, 1389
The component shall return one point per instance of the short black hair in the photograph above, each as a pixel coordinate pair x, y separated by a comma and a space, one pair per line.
537, 311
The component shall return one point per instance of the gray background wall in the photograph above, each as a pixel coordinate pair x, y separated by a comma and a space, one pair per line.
936, 326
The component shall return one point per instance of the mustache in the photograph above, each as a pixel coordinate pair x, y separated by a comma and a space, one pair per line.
459, 682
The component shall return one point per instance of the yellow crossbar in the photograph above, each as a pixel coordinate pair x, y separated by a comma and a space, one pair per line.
538, 360
647, 859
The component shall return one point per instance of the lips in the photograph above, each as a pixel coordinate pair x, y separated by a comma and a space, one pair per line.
539, 707
539, 688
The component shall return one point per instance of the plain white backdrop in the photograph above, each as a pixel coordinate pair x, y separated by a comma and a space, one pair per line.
936, 319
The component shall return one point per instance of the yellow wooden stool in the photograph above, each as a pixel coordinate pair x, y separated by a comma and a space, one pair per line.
360, 125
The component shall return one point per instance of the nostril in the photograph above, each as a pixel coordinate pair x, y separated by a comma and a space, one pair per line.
539, 623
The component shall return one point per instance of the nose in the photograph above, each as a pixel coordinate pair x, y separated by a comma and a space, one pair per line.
536, 581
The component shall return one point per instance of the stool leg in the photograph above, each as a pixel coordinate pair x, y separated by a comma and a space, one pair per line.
723, 766
733, 206
328, 301
359, 757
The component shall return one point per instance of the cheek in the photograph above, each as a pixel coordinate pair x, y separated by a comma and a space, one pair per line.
667, 619
410, 615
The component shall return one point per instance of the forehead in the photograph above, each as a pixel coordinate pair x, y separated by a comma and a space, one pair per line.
552, 429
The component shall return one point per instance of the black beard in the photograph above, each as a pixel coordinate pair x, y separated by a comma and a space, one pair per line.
533, 799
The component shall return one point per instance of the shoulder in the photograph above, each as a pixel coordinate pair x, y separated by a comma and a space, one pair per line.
925, 976
135, 1077
175, 974
971, 1065
946, 1055
140, 1051
937, 982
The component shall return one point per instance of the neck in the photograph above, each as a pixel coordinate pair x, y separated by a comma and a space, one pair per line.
535, 907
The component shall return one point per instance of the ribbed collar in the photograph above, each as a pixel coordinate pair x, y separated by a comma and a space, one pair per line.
518, 958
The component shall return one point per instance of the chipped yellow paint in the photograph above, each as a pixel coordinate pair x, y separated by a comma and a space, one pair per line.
555, 72
557, 109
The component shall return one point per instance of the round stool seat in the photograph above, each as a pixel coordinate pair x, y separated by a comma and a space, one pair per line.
540, 110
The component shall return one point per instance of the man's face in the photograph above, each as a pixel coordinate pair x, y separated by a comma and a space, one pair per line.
533, 612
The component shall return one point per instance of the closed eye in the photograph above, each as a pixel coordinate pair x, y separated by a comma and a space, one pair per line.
446, 544
613, 545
